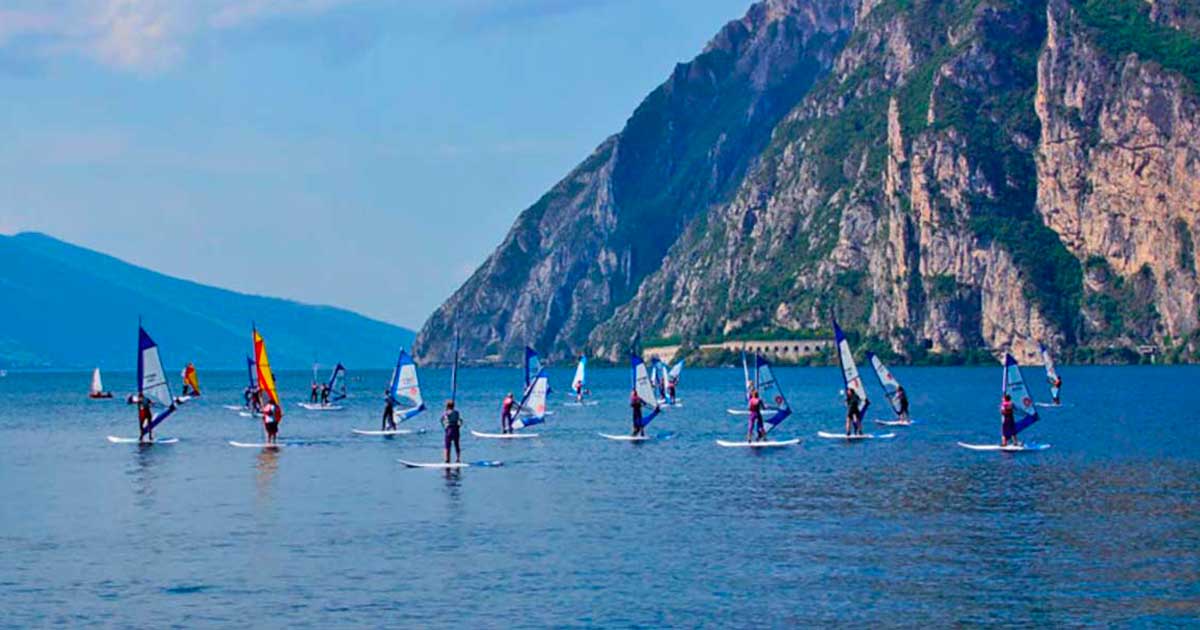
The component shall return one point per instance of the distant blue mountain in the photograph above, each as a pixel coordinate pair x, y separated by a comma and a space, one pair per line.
68, 307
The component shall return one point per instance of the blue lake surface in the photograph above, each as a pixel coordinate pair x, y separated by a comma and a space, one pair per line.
576, 530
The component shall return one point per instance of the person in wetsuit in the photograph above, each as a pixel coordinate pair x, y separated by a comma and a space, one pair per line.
853, 412
451, 424
755, 424
636, 403
507, 411
388, 422
902, 402
145, 417
1057, 389
312, 395
671, 383
1008, 422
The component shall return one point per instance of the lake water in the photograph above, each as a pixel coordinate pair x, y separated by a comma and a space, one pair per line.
576, 530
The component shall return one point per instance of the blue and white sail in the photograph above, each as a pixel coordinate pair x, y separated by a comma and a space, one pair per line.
251, 373
1051, 371
1024, 411
644, 388
770, 391
533, 365
887, 381
454, 371
152, 379
747, 382
579, 382
337, 383
405, 388
533, 402
675, 371
850, 375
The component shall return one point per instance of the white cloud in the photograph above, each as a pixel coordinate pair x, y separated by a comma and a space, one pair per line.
137, 35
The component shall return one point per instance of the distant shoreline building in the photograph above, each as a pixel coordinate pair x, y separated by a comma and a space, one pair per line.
783, 349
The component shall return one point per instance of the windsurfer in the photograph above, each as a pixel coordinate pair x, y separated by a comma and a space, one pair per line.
1057, 389
145, 417
451, 423
507, 412
902, 403
389, 413
755, 426
853, 413
636, 403
1008, 422
272, 416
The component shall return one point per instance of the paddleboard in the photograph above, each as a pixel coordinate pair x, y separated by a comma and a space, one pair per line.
320, 407
234, 407
763, 444
453, 465
586, 403
247, 414
865, 436
627, 438
123, 440
1051, 405
745, 412
503, 436
896, 423
256, 445
1007, 449
395, 432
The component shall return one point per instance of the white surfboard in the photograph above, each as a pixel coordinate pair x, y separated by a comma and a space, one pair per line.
1007, 449
865, 436
452, 465
627, 438
254, 445
234, 407
320, 407
896, 423
123, 440
586, 403
761, 444
503, 436
1049, 404
391, 432
247, 414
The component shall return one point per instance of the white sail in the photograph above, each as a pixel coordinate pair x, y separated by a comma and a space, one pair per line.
405, 386
152, 379
850, 374
97, 384
534, 402
580, 379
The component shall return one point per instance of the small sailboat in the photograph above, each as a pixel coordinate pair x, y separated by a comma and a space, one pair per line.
336, 386
644, 387
1052, 379
403, 389
852, 380
265, 381
769, 390
191, 382
533, 410
152, 386
96, 392
579, 386
891, 388
1024, 409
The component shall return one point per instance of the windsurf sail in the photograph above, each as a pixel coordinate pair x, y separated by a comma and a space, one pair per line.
337, 383
191, 379
1014, 385
658, 378
251, 373
850, 376
580, 381
533, 365
1051, 371
97, 384
643, 387
262, 366
534, 402
888, 382
405, 388
747, 383
676, 370
152, 379
769, 390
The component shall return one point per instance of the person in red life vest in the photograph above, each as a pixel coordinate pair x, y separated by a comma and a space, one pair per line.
1008, 422
755, 425
145, 417
272, 416
636, 403
507, 412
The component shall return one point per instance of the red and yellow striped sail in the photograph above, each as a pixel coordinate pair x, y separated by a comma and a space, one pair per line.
189, 377
266, 380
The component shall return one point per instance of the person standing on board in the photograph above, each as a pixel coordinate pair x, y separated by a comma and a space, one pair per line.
1008, 422
671, 383
325, 394
1057, 389
145, 417
388, 423
755, 426
451, 423
507, 412
853, 413
578, 391
636, 403
902, 402
312, 396
272, 416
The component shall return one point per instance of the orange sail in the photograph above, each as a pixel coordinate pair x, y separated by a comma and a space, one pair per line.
266, 380
190, 378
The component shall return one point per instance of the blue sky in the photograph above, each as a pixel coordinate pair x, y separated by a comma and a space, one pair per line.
368, 154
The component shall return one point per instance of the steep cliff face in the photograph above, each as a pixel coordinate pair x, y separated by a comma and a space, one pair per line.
586, 246
968, 175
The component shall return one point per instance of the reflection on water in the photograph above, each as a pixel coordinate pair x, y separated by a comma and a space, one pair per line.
266, 466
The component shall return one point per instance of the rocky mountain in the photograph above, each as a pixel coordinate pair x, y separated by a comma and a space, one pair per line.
947, 176
69, 307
